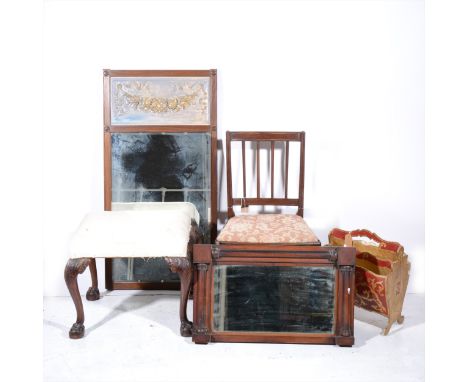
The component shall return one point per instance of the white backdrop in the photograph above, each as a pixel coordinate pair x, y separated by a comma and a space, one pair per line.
349, 73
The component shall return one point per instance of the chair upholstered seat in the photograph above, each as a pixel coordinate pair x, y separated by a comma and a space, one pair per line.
135, 230
267, 229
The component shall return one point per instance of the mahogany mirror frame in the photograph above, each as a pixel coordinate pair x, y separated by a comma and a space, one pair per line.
206, 257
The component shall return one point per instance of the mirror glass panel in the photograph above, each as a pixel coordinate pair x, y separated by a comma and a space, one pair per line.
160, 167
251, 298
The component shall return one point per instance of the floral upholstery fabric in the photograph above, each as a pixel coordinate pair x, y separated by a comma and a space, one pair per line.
267, 229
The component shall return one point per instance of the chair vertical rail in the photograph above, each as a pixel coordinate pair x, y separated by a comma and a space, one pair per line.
243, 169
272, 169
300, 210
286, 170
230, 211
258, 169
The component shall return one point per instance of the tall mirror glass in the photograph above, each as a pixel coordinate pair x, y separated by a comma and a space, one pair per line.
159, 167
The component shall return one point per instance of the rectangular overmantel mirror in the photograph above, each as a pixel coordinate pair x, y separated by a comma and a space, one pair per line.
279, 293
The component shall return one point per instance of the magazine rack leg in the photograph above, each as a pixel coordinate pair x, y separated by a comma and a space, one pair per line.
387, 329
183, 267
399, 319
73, 268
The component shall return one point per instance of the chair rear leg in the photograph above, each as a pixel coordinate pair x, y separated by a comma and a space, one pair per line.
93, 292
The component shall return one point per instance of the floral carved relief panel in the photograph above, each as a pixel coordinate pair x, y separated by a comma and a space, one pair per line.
160, 101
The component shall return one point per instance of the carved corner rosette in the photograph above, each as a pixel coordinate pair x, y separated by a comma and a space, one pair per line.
106, 72
202, 267
215, 252
345, 332
201, 331
333, 255
201, 335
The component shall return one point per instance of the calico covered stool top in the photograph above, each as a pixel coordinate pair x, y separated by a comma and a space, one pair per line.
267, 229
135, 230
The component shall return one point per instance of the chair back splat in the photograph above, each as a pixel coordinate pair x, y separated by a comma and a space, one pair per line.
272, 137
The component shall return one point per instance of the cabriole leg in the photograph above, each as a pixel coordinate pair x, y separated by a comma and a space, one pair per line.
72, 269
183, 267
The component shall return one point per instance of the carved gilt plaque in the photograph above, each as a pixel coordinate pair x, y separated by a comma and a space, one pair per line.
160, 101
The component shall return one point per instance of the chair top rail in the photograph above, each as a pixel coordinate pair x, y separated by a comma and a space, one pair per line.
265, 136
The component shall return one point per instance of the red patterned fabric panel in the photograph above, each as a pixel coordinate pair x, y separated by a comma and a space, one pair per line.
370, 291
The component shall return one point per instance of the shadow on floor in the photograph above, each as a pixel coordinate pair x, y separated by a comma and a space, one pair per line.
135, 303
376, 323
131, 304
56, 325
367, 325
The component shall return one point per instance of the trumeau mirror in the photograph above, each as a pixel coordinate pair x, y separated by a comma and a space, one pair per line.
159, 146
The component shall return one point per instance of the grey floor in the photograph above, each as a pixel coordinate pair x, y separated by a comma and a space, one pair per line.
134, 336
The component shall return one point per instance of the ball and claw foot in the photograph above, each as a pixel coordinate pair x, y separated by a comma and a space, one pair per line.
92, 294
76, 331
400, 319
186, 329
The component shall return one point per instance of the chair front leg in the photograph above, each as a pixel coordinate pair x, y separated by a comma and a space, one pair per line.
183, 267
72, 269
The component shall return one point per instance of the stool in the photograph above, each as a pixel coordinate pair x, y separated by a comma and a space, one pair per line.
134, 230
